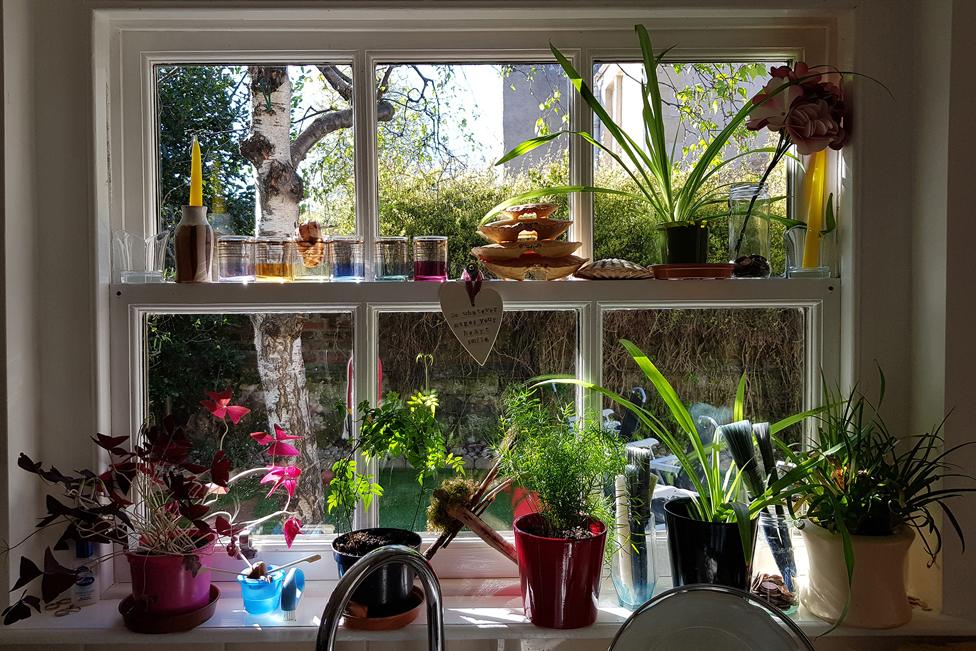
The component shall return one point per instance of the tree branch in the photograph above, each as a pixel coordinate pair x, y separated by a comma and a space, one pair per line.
326, 124
339, 82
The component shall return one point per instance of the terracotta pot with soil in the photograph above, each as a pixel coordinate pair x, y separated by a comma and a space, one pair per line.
560, 576
386, 591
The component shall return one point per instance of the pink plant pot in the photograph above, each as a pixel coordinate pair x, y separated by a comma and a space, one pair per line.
165, 585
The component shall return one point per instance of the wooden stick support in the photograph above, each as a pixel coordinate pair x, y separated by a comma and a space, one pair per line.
483, 531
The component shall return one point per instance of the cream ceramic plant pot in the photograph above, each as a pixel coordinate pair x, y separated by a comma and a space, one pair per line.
878, 596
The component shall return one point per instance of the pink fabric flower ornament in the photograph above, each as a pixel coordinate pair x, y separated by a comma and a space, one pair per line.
292, 527
773, 108
286, 476
278, 446
812, 127
219, 405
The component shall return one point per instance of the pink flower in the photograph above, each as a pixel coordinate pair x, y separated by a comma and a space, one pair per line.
219, 405
278, 447
286, 476
772, 108
292, 527
812, 127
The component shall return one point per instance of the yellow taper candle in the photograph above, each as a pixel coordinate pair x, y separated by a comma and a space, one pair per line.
813, 194
196, 176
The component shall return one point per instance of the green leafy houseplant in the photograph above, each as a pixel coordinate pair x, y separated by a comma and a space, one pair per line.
862, 484
562, 460
650, 165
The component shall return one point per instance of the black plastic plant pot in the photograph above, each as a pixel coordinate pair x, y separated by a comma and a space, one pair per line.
706, 552
386, 590
686, 243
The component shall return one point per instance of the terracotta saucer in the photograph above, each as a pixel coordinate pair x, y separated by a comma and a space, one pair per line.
682, 271
357, 618
139, 620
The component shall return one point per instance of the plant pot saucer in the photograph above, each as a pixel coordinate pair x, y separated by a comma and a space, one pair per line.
677, 271
139, 620
357, 617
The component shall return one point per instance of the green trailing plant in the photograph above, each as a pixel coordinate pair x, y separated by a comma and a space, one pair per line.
563, 459
652, 165
865, 481
394, 429
718, 492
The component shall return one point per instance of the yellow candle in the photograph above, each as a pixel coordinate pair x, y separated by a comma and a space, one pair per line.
813, 195
196, 176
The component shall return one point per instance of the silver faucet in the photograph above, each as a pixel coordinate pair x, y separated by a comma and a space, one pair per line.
356, 574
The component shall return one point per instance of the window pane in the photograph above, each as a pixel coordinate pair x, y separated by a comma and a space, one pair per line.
471, 396
277, 145
188, 354
703, 353
699, 101
441, 129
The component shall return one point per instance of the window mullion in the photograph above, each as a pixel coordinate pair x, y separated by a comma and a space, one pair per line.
581, 158
364, 110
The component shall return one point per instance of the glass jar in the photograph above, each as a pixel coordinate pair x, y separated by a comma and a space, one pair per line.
632, 568
430, 258
390, 259
311, 260
749, 239
235, 259
346, 254
774, 573
274, 259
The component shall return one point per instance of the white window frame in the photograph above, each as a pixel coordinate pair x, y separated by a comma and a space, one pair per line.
128, 43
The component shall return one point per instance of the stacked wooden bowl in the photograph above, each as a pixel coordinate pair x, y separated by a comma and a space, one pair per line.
524, 246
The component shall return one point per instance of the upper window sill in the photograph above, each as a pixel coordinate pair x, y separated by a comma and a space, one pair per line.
474, 610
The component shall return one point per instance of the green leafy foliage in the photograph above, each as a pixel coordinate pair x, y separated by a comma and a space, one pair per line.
565, 460
348, 488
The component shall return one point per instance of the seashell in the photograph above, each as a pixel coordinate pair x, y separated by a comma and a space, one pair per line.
540, 210
535, 267
513, 250
614, 269
507, 230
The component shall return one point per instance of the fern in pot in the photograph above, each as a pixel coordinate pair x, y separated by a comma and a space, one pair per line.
564, 460
863, 498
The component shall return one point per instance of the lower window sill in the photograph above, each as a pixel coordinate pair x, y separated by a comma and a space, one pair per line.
475, 609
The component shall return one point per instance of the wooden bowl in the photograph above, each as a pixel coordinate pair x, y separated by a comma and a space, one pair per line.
514, 250
358, 618
536, 267
540, 210
507, 230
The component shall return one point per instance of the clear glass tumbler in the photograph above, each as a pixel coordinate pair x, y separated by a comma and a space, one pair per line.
430, 258
274, 259
347, 259
235, 259
312, 260
391, 259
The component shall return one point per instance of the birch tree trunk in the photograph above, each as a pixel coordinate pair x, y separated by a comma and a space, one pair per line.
278, 337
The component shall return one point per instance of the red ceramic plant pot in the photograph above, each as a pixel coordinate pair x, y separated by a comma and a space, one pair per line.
165, 585
560, 577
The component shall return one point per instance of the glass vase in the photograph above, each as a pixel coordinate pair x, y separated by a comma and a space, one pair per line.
390, 259
774, 572
794, 241
632, 568
235, 259
347, 259
749, 237
430, 258
274, 259
311, 260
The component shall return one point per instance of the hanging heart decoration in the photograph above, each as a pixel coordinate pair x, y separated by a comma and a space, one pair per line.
474, 313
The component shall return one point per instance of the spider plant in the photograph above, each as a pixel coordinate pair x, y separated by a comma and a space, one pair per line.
650, 165
718, 496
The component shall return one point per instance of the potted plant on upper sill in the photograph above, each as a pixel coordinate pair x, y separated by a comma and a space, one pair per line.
678, 205
711, 534
161, 496
564, 461
394, 429
862, 499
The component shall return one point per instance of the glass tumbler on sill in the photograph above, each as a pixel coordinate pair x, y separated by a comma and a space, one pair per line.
235, 259
430, 258
274, 259
311, 261
136, 259
749, 239
347, 256
795, 241
774, 571
390, 259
